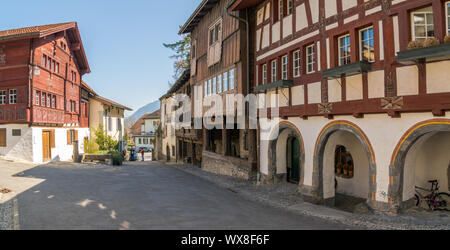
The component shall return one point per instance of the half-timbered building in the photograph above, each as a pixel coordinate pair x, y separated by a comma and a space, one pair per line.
363, 88
43, 109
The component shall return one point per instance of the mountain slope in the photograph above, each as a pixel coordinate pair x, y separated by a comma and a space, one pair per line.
147, 109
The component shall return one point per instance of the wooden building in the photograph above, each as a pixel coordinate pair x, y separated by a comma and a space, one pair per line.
364, 111
42, 110
220, 66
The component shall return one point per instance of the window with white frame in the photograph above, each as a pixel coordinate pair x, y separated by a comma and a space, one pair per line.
205, 88
232, 79
344, 50
2, 97
310, 59
49, 100
447, 12
219, 84
43, 98
284, 68
290, 7
225, 81
296, 64
12, 96
422, 24
209, 87
214, 87
264, 74
274, 70
37, 97
367, 44
280, 9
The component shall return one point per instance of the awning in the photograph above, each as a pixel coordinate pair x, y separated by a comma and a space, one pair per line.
425, 55
273, 85
347, 70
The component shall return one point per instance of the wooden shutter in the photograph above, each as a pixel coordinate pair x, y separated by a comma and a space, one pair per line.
3, 137
76, 135
69, 141
52, 138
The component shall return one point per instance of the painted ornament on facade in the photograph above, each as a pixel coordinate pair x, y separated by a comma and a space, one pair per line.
2, 55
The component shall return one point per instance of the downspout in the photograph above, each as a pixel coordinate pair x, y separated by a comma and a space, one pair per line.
248, 40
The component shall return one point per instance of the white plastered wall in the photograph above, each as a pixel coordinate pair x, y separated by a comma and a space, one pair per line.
383, 132
17, 147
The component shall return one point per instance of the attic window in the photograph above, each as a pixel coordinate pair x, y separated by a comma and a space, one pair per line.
215, 33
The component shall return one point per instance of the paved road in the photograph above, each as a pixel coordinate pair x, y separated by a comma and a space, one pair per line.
147, 196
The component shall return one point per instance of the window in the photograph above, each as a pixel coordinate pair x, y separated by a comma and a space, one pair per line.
72, 106
344, 165
49, 100
344, 50
310, 60
422, 24
119, 124
205, 88
43, 97
209, 87
2, 97
16, 132
140, 140
57, 68
44, 61
280, 9
215, 33
225, 81
264, 74
274, 70
49, 62
296, 63
53, 101
214, 86
367, 45
38, 94
109, 124
284, 68
447, 11
12, 96
219, 84
290, 7
53, 66
232, 79
72, 135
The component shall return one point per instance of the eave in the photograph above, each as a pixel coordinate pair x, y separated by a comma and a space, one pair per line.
425, 55
274, 85
347, 70
244, 4
203, 9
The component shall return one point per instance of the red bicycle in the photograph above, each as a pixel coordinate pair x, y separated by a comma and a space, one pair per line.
436, 201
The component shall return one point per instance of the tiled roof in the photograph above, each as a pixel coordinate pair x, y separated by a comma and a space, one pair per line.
184, 78
112, 103
154, 115
35, 31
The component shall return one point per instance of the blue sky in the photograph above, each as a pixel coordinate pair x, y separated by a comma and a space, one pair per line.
123, 40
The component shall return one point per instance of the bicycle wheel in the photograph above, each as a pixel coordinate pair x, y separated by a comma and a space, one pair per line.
417, 200
443, 201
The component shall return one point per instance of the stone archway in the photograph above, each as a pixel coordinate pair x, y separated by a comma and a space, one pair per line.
323, 185
278, 153
403, 166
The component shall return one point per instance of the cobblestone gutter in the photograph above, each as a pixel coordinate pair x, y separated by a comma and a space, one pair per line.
285, 196
9, 214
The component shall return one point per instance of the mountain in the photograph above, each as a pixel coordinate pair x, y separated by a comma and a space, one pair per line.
147, 109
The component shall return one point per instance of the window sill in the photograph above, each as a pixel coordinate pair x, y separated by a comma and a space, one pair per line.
425, 55
347, 70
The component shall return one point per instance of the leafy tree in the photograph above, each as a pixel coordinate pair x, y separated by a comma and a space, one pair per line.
104, 141
182, 56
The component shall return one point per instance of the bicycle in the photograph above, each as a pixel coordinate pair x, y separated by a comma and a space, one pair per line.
436, 201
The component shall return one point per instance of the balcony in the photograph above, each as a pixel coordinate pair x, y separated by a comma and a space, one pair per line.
347, 70
425, 55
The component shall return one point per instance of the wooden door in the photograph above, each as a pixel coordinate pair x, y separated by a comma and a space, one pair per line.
295, 170
46, 147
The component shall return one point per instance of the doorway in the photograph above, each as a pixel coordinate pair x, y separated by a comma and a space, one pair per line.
46, 147
293, 170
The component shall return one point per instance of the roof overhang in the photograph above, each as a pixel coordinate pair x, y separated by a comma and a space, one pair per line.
244, 4
273, 85
204, 7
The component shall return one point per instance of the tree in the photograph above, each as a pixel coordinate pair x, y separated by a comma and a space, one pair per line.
182, 56
104, 141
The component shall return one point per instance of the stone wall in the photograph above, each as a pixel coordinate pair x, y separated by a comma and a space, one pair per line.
228, 166
9, 215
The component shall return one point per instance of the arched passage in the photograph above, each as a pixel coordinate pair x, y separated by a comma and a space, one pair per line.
286, 154
422, 154
359, 152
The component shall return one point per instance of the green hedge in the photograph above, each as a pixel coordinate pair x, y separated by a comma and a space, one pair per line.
117, 158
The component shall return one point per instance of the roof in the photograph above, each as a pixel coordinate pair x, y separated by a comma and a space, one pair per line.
154, 115
72, 32
112, 103
184, 78
88, 88
204, 7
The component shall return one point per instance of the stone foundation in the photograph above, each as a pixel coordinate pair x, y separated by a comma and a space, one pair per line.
9, 215
228, 166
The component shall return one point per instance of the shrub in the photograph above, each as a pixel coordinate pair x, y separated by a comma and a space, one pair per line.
90, 147
447, 39
104, 141
415, 45
431, 41
117, 158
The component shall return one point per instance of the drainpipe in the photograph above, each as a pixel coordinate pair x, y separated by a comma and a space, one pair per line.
248, 40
